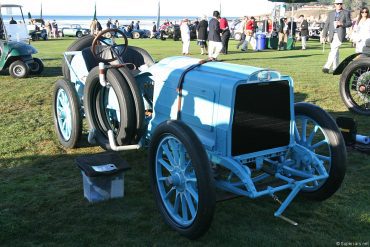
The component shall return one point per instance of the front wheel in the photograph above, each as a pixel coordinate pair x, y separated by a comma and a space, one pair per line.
181, 179
355, 86
66, 114
36, 67
18, 69
79, 34
316, 130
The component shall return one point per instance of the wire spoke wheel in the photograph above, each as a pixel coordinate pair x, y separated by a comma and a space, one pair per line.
355, 86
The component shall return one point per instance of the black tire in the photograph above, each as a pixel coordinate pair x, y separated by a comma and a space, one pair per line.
36, 67
94, 95
138, 102
79, 34
18, 69
77, 45
135, 35
336, 146
200, 165
75, 110
354, 86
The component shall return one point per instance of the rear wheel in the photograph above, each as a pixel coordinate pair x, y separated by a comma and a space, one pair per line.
181, 179
355, 86
67, 114
318, 132
79, 34
36, 67
18, 69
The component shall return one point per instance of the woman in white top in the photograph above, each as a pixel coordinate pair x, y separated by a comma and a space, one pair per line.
185, 36
362, 29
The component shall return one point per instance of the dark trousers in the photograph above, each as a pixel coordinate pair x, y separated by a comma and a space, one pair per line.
225, 41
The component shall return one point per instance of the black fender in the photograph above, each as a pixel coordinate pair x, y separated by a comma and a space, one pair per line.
347, 61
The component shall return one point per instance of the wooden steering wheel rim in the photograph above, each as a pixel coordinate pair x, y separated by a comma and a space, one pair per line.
97, 38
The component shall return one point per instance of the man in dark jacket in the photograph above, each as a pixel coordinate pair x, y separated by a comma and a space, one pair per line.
304, 31
214, 37
336, 23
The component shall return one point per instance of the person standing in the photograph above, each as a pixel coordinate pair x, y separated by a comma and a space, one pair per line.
137, 25
242, 38
185, 36
336, 23
109, 23
48, 29
93, 27
304, 31
54, 27
154, 30
362, 29
215, 44
283, 33
202, 35
224, 26
250, 28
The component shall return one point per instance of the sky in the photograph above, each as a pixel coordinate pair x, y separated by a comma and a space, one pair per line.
145, 7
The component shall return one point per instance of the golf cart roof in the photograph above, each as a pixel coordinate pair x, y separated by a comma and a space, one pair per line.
10, 5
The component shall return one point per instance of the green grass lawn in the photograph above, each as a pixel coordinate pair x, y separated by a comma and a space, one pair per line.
41, 195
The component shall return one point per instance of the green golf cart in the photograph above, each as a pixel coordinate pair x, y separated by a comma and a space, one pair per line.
15, 51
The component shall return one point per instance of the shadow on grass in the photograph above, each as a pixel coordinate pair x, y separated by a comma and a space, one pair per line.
51, 72
44, 192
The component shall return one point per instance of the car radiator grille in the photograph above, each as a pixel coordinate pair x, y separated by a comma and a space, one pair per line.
261, 117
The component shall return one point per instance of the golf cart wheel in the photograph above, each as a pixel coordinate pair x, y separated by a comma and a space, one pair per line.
354, 86
135, 35
18, 69
67, 114
109, 108
316, 130
79, 34
77, 45
36, 67
181, 179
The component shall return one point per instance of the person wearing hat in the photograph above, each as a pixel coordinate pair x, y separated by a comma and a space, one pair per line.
185, 36
335, 32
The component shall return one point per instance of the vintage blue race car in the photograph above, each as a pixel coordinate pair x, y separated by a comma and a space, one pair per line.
207, 125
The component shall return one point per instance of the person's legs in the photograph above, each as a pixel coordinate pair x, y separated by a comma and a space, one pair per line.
185, 47
241, 41
218, 48
333, 58
211, 49
223, 41
303, 42
245, 43
227, 43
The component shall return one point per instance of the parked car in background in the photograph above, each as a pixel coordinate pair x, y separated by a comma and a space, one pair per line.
236, 29
136, 33
74, 30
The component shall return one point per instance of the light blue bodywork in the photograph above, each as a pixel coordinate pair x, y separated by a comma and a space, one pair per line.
207, 106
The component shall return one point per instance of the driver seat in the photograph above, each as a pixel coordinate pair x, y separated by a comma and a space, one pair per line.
133, 55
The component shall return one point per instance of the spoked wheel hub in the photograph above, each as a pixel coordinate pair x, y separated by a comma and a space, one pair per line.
363, 86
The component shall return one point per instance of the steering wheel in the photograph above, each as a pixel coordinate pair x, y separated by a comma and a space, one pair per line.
113, 40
